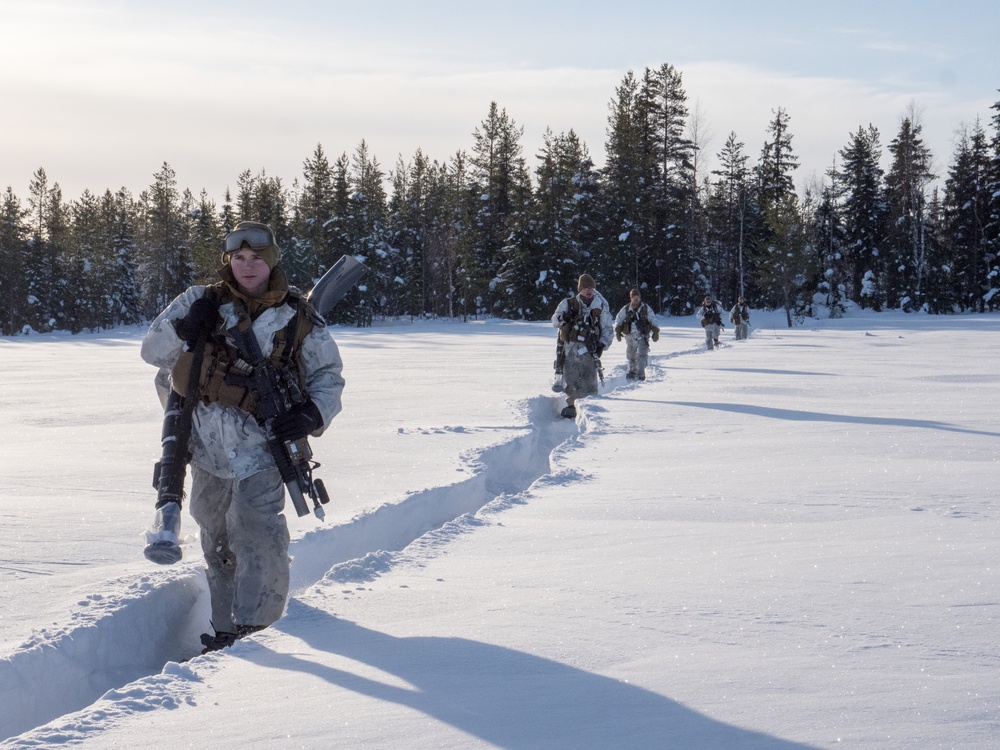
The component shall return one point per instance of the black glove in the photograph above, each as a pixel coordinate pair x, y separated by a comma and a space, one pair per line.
656, 335
201, 319
297, 422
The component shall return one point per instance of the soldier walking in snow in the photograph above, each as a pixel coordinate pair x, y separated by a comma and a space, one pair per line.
739, 316
585, 330
636, 322
237, 492
710, 315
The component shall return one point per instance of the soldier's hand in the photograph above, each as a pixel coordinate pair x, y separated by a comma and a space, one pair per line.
297, 422
618, 334
201, 318
656, 335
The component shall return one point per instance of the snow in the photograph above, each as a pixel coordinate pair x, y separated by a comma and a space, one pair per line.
790, 542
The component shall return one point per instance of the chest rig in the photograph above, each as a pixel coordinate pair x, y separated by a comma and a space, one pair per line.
224, 371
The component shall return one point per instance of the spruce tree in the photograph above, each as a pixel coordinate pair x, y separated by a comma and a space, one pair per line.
728, 212
13, 247
909, 175
864, 212
991, 230
966, 211
166, 269
500, 176
782, 231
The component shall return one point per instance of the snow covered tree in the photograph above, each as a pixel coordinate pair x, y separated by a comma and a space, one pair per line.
785, 259
13, 248
966, 211
782, 233
729, 212
627, 184
991, 231
43, 267
907, 241
544, 254
206, 240
163, 239
829, 240
864, 213
500, 176
313, 208
119, 216
777, 162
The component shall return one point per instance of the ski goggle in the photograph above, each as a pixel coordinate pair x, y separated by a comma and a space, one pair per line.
257, 238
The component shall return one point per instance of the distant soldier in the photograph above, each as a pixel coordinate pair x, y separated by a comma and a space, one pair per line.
710, 315
585, 331
636, 322
739, 316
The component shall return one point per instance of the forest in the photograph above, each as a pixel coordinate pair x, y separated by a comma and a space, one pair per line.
488, 234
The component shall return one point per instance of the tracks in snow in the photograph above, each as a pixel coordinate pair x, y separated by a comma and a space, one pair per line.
147, 621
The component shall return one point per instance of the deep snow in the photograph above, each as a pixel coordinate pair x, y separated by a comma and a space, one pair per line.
790, 542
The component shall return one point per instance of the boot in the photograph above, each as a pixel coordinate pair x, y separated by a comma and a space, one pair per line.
569, 412
218, 641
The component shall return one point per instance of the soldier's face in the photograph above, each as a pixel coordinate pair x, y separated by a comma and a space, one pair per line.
587, 294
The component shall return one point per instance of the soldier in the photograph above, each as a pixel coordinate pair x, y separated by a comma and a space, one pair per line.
237, 493
585, 330
710, 315
739, 316
636, 322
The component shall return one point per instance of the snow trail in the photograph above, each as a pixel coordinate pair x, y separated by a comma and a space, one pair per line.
155, 619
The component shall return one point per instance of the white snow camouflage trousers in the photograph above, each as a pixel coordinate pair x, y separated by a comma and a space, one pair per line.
244, 537
637, 353
580, 373
712, 331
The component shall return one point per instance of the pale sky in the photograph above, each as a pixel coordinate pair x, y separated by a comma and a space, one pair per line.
102, 92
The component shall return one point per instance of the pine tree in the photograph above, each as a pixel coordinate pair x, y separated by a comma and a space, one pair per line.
777, 162
43, 268
120, 214
728, 209
166, 269
966, 210
313, 209
864, 212
206, 240
829, 238
782, 231
991, 230
629, 187
500, 176
675, 238
785, 259
13, 248
909, 175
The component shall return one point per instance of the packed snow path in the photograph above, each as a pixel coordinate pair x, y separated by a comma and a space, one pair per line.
69, 667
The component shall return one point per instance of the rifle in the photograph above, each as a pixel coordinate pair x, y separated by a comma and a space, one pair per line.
593, 344
169, 473
275, 391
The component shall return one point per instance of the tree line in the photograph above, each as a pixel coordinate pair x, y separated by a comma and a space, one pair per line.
485, 234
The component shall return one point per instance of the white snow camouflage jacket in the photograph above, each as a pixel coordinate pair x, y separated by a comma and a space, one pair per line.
634, 330
598, 306
227, 441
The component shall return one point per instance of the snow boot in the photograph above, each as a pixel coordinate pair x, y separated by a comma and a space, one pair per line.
569, 412
558, 384
223, 640
218, 641
631, 376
